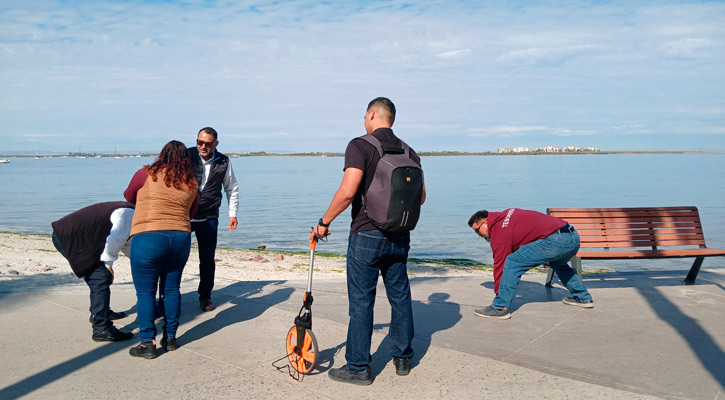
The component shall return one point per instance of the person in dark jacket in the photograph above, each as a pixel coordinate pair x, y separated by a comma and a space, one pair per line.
521, 240
90, 240
213, 171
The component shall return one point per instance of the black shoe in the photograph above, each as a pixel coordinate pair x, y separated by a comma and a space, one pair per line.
168, 343
111, 334
146, 350
343, 375
402, 366
206, 305
114, 316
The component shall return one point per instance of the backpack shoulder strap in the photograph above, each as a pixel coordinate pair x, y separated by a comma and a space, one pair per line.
376, 143
373, 141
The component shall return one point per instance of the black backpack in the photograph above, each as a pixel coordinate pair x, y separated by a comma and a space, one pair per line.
392, 202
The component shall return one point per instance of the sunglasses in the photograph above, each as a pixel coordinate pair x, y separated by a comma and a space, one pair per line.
478, 229
202, 143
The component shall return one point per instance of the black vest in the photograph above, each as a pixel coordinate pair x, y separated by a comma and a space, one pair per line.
211, 197
83, 234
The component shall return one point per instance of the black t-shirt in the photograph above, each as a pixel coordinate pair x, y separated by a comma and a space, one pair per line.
364, 156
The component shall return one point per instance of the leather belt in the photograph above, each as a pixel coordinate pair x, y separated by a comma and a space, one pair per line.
566, 228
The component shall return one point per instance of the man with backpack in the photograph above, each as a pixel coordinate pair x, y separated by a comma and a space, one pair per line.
384, 183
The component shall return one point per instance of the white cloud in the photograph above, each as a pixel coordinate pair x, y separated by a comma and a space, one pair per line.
517, 131
454, 54
544, 55
687, 47
505, 130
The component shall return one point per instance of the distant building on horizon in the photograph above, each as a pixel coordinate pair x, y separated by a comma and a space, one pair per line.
547, 149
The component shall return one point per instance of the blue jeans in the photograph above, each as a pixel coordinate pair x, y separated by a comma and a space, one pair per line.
370, 253
206, 236
158, 257
556, 249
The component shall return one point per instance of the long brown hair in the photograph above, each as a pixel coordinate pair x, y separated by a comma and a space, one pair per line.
175, 162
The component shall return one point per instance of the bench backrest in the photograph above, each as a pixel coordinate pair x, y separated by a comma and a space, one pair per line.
652, 228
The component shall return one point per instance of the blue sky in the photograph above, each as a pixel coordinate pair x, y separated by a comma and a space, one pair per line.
291, 76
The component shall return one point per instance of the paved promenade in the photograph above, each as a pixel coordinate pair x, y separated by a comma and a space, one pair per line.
649, 336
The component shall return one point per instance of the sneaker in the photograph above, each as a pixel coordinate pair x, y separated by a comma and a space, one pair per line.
402, 366
111, 334
114, 316
168, 343
575, 301
146, 350
493, 312
343, 375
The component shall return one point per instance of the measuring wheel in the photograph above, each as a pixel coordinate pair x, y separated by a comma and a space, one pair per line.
302, 354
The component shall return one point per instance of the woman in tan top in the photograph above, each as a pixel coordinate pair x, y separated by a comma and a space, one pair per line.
165, 194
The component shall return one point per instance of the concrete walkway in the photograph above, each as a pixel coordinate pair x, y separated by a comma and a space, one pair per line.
649, 336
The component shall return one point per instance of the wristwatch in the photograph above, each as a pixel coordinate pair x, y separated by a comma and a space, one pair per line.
323, 224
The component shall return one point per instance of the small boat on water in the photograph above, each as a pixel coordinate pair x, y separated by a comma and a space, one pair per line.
4, 161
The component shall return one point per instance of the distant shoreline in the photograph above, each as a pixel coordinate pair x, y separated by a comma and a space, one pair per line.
321, 154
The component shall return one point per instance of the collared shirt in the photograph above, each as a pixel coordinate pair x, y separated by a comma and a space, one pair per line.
231, 188
118, 239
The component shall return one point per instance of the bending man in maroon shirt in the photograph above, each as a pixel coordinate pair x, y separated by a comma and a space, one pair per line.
521, 240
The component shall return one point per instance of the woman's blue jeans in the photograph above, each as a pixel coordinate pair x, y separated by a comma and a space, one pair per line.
370, 253
158, 256
556, 249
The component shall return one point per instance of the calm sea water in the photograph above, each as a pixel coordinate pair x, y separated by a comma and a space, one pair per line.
282, 197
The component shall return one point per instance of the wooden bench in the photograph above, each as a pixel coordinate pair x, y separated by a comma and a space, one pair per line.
628, 233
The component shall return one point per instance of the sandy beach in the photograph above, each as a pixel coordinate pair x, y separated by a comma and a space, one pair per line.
31, 260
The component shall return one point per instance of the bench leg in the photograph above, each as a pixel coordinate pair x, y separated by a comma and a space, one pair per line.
576, 263
549, 277
692, 275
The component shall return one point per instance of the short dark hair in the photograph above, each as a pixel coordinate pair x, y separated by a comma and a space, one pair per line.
478, 216
208, 130
386, 104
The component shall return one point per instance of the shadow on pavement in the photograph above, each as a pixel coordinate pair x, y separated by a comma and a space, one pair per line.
646, 283
245, 309
435, 315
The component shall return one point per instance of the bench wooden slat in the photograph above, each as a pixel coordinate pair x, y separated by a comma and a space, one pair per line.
561, 211
633, 220
628, 244
666, 240
634, 216
627, 230
638, 232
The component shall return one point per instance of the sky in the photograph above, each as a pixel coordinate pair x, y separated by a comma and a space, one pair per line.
296, 76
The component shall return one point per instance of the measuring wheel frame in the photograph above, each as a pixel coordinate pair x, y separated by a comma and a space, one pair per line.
302, 355
301, 344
